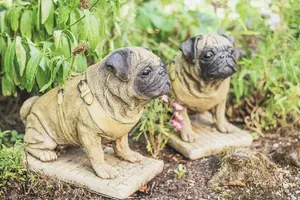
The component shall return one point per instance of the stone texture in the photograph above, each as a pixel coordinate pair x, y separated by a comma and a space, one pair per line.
74, 167
210, 141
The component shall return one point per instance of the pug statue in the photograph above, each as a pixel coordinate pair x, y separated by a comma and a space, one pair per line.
200, 76
105, 102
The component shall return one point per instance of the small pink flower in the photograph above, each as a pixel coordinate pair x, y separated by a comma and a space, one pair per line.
177, 124
165, 98
178, 116
177, 106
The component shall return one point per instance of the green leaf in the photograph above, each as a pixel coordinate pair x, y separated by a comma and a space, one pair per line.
16, 72
64, 46
92, 32
38, 15
7, 87
9, 61
42, 77
57, 36
66, 70
80, 63
15, 16
50, 22
31, 70
102, 23
2, 21
21, 55
2, 47
33, 49
54, 70
74, 16
47, 7
43, 63
26, 24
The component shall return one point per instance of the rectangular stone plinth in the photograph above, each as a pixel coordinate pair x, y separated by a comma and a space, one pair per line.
74, 167
210, 141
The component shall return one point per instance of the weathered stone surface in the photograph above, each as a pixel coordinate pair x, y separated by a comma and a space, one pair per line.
246, 168
74, 167
210, 141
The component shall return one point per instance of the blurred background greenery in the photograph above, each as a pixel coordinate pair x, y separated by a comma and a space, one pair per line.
42, 42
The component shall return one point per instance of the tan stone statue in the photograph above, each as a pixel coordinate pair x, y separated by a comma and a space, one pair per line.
200, 79
105, 102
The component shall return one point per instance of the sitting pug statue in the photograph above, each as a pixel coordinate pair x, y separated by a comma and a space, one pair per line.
200, 76
105, 102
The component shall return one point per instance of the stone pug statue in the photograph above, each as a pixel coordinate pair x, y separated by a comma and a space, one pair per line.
200, 79
105, 102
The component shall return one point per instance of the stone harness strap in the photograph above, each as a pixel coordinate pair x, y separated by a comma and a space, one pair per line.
103, 121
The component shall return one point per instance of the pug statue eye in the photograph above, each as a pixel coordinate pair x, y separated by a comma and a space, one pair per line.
208, 55
231, 51
147, 71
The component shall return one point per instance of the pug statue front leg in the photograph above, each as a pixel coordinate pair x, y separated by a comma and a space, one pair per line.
92, 145
220, 120
122, 149
187, 132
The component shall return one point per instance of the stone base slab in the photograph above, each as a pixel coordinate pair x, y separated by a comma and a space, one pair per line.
210, 141
74, 167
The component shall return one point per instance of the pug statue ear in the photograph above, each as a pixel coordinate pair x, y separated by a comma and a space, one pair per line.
147, 49
230, 38
119, 63
189, 48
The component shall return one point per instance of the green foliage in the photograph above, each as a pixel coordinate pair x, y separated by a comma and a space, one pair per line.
37, 40
274, 73
180, 171
154, 126
11, 167
270, 73
9, 138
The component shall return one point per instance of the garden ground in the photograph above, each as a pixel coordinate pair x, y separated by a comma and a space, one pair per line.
281, 147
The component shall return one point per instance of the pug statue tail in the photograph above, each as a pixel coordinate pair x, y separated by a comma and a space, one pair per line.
200, 77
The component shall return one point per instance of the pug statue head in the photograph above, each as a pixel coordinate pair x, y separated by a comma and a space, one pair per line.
142, 71
212, 55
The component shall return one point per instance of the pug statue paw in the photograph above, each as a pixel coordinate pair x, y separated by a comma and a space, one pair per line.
105, 171
188, 135
132, 156
225, 127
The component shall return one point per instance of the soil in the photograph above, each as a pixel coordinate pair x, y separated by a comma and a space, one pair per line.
194, 183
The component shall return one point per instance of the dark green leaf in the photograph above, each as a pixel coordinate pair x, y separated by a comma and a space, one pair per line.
42, 77
31, 70
9, 61
2, 46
